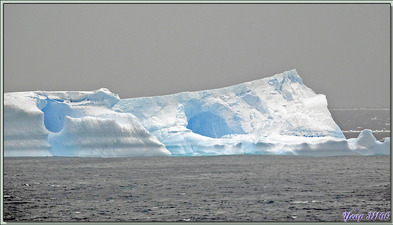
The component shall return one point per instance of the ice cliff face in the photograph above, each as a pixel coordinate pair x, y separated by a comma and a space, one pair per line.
275, 115
24, 130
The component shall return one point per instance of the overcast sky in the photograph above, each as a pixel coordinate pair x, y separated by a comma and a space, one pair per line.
340, 50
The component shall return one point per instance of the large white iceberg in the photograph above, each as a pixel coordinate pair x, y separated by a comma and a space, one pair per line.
274, 115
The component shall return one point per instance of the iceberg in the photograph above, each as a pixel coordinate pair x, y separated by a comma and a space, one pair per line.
278, 115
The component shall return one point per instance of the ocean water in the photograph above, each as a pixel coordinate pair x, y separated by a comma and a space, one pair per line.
353, 121
214, 188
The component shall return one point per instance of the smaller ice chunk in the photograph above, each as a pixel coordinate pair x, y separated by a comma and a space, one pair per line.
367, 144
366, 139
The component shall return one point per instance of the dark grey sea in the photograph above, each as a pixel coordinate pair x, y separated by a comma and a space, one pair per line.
214, 188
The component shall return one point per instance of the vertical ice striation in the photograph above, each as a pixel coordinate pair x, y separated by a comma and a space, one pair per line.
24, 129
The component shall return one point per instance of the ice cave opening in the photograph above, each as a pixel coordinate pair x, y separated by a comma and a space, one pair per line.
209, 124
54, 114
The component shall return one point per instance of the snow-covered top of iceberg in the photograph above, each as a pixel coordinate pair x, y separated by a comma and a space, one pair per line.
22, 100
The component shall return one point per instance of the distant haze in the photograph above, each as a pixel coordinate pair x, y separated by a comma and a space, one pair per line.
340, 50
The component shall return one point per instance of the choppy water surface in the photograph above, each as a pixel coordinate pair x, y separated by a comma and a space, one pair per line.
221, 188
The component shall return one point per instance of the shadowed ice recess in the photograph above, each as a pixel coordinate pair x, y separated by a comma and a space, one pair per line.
277, 115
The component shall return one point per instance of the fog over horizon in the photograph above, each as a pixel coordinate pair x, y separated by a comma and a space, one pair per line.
137, 50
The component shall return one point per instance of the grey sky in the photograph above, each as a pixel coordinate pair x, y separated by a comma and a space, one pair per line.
340, 50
